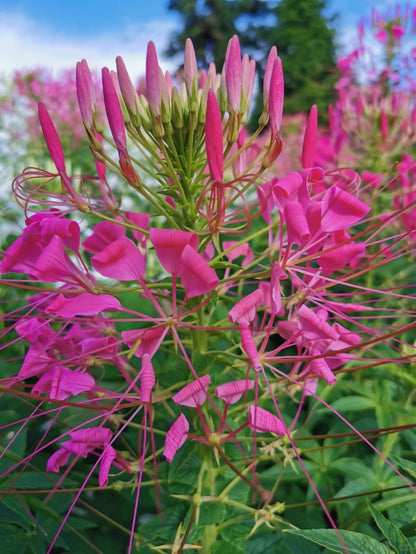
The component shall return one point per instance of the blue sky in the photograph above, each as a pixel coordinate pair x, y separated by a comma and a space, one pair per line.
57, 33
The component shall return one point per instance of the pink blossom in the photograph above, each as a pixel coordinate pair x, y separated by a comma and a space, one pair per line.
196, 275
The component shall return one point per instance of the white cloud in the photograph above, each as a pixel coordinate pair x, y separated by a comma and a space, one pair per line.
27, 44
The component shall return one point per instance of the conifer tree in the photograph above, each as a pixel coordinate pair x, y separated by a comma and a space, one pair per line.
305, 43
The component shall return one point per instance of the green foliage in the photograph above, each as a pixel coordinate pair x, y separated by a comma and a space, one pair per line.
307, 49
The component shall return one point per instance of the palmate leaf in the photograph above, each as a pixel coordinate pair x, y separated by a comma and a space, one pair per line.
395, 537
357, 543
407, 465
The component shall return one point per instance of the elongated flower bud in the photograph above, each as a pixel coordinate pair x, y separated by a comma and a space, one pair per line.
214, 139
85, 92
154, 93
276, 97
309, 141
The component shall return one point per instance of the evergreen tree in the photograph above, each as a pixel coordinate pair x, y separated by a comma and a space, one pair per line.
305, 43
299, 29
210, 24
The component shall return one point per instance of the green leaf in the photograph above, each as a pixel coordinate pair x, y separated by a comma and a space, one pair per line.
185, 467
353, 404
407, 465
396, 539
211, 513
13, 510
353, 467
162, 526
13, 540
224, 546
32, 480
357, 543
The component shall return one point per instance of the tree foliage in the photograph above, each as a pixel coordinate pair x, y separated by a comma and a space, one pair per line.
305, 43
300, 30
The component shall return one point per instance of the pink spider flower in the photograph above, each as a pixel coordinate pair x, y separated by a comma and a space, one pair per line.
84, 442
60, 383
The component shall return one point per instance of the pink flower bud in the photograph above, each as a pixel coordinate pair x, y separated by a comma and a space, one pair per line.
233, 76
153, 86
276, 97
309, 141
214, 138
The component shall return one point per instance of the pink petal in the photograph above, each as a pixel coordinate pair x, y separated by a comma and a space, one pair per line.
104, 233
142, 221
54, 264
169, 245
197, 276
120, 260
319, 368
241, 250
232, 392
175, 437
193, 394
313, 326
262, 421
340, 257
60, 383
143, 341
286, 188
249, 346
296, 223
341, 210
57, 460
83, 304
67, 230
147, 379
86, 440
245, 309
107, 458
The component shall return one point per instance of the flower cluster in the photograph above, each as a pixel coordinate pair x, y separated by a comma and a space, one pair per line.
208, 313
